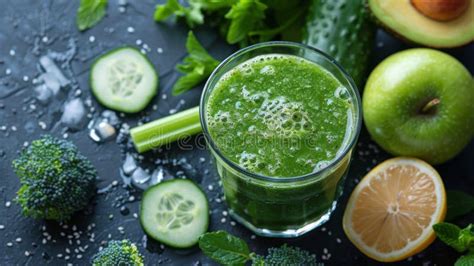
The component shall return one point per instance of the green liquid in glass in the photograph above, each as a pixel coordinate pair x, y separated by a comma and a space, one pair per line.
280, 116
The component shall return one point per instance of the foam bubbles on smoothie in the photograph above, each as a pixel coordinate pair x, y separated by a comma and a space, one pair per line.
320, 165
267, 70
284, 117
221, 118
250, 161
341, 93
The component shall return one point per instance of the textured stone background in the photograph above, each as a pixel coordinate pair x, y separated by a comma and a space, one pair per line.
32, 28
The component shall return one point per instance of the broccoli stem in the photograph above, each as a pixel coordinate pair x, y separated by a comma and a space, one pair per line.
166, 130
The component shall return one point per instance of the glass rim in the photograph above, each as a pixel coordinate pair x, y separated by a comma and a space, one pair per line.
350, 144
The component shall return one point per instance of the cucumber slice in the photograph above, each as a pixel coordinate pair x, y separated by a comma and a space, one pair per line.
175, 212
124, 80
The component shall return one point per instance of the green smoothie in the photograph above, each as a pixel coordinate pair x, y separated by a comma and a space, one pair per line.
281, 117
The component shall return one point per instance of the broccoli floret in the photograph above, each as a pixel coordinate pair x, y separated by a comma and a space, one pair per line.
56, 180
122, 253
285, 255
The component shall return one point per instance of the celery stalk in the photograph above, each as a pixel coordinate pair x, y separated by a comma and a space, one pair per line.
166, 130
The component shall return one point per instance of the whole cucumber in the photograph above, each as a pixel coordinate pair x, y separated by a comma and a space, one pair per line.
343, 29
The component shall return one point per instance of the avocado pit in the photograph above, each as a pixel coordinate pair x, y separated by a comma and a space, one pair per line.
441, 10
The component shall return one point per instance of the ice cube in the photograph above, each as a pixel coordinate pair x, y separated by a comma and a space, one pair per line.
129, 165
51, 67
157, 176
140, 178
111, 117
43, 93
74, 114
51, 81
105, 130
101, 131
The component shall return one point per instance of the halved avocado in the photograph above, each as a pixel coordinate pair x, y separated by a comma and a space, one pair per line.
405, 20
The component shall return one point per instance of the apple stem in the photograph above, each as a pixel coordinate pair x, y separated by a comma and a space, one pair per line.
430, 105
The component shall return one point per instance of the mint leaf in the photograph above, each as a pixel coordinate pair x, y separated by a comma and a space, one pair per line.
466, 237
449, 234
466, 260
192, 14
224, 248
196, 67
89, 13
459, 239
245, 16
459, 204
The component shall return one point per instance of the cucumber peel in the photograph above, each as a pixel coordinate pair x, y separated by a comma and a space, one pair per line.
344, 30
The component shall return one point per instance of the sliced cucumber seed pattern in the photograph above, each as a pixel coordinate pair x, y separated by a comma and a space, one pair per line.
174, 211
124, 77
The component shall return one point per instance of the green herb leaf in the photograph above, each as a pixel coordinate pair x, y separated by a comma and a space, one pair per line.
171, 7
459, 239
196, 67
90, 12
466, 237
459, 204
192, 14
268, 34
245, 16
466, 260
224, 248
449, 234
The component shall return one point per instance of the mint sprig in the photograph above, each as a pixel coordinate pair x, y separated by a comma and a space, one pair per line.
90, 12
227, 249
462, 240
459, 204
224, 248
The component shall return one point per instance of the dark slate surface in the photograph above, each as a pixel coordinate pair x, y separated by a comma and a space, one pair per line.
32, 28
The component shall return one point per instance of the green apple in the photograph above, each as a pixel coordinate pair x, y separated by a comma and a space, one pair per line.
420, 103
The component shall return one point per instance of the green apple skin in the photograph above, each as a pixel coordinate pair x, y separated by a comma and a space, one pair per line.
399, 88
